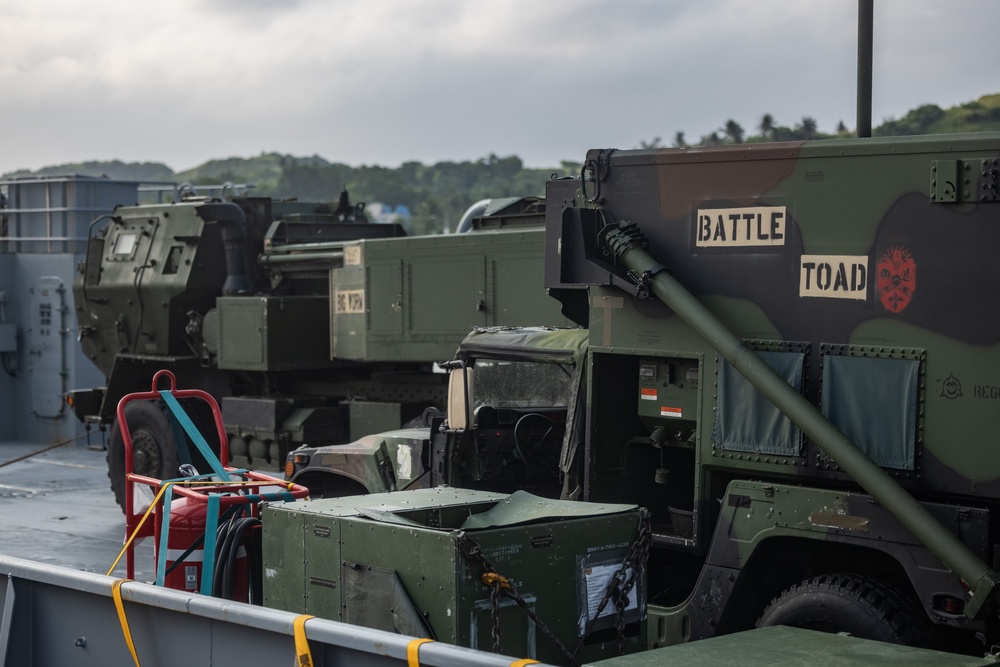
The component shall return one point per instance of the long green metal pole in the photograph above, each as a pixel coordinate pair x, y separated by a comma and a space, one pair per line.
628, 252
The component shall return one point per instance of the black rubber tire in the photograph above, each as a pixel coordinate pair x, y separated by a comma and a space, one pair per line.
154, 452
862, 606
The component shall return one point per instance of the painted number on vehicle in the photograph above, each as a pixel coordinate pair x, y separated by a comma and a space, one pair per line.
350, 301
741, 227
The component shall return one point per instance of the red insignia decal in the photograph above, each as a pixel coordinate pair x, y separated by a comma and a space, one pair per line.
897, 278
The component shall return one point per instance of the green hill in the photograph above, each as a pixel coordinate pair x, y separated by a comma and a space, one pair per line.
264, 171
983, 115
438, 194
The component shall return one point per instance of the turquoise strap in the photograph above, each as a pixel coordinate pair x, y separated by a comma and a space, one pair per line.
211, 529
183, 451
193, 433
161, 558
280, 495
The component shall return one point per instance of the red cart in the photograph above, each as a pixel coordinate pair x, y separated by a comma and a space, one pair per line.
205, 525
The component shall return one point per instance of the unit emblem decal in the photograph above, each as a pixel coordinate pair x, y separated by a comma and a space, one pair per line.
951, 388
897, 278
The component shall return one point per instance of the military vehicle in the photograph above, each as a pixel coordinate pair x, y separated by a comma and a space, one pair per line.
307, 322
790, 358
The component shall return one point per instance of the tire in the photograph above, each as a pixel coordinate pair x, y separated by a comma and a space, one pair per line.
862, 606
154, 452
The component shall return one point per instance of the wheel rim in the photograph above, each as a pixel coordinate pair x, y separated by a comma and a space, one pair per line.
146, 459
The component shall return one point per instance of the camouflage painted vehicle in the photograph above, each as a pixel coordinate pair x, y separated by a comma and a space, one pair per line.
791, 359
308, 323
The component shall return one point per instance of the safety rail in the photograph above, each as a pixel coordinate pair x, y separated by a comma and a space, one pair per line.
59, 616
225, 491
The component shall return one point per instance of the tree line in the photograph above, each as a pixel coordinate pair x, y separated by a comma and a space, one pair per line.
980, 115
438, 194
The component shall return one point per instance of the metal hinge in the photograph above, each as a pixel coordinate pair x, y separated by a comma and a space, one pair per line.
954, 181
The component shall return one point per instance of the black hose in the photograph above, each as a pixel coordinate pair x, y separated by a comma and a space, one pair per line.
238, 531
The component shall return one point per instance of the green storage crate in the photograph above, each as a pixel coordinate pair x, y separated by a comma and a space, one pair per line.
400, 562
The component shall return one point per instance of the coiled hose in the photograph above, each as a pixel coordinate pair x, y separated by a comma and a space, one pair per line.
238, 531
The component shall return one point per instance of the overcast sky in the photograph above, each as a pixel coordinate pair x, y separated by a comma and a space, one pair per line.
386, 81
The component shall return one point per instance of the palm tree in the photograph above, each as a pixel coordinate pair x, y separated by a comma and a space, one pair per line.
766, 126
734, 131
807, 128
679, 141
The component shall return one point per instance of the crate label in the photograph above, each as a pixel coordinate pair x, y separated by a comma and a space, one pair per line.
325, 583
597, 578
352, 255
350, 301
541, 541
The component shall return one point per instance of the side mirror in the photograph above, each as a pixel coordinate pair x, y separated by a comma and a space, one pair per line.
459, 415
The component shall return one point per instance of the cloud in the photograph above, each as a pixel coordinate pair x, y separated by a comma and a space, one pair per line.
383, 81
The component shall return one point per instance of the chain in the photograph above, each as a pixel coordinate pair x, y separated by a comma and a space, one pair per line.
619, 587
623, 581
495, 616
635, 561
500, 585
491, 578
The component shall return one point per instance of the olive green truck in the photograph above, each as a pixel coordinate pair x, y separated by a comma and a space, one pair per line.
789, 353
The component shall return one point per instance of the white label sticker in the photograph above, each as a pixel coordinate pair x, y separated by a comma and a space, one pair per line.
352, 255
740, 227
597, 579
834, 276
350, 301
